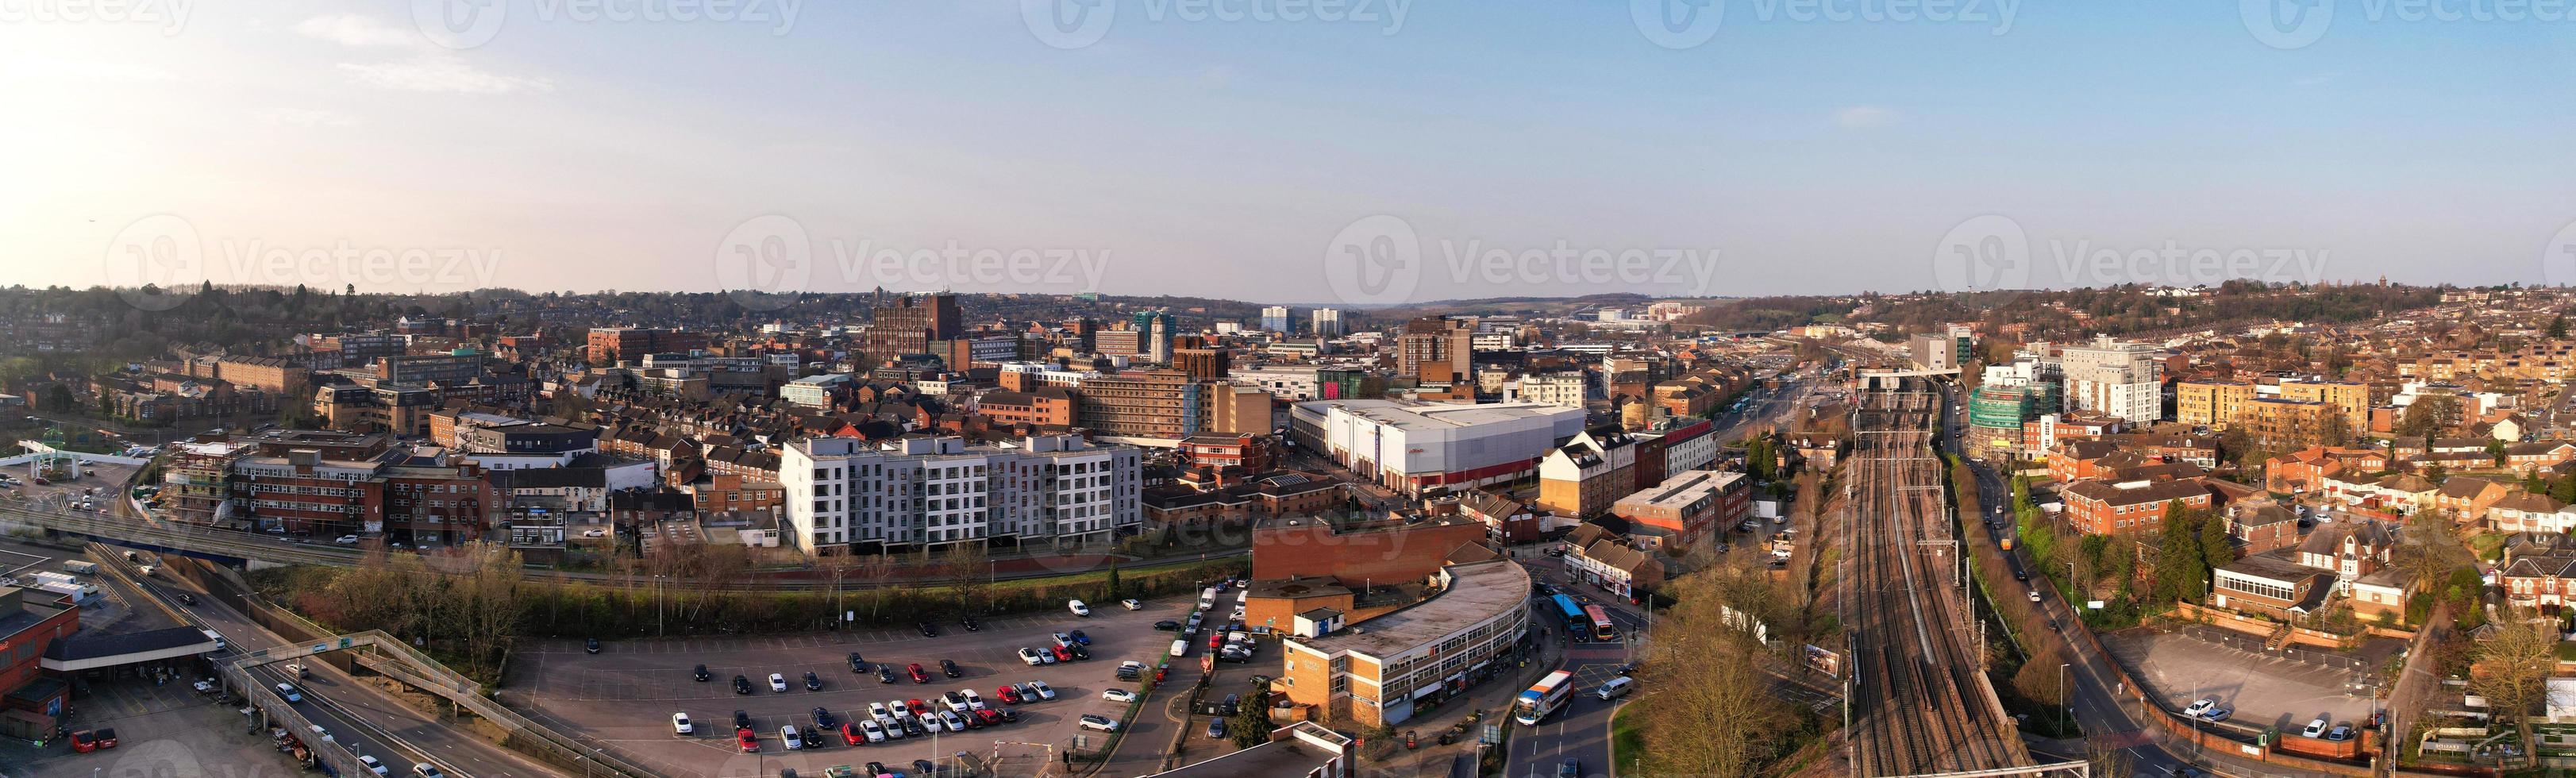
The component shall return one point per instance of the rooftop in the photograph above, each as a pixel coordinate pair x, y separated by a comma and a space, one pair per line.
1414, 415
1476, 592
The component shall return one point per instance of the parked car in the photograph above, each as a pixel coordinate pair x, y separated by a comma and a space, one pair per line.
1117, 695
813, 683
929, 630
1007, 694
1102, 723
741, 685
2316, 728
680, 724
106, 737
590, 644
787, 734
2200, 706
2340, 733
949, 668
1030, 657
1216, 728
700, 673
857, 665
1079, 638
869, 730
745, 740
823, 717
1044, 691
950, 720
741, 720
885, 674
918, 675
1061, 653
2216, 714
969, 622
1078, 608
84, 741
777, 682
1167, 625
973, 701
1131, 604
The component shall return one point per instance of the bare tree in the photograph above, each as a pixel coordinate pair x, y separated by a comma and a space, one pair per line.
2514, 667
1711, 715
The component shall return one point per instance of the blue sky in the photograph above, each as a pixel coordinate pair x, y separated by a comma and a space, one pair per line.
2118, 142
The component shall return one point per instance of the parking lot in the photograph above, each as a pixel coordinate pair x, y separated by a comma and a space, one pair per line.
163, 731
622, 698
106, 479
2277, 689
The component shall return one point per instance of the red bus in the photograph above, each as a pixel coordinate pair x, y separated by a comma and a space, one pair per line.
1601, 628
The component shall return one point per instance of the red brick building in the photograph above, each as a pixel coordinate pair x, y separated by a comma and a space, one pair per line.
1360, 554
2107, 508
30, 621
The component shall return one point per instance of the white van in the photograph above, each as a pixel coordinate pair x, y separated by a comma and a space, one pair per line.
1181, 648
1207, 598
1617, 688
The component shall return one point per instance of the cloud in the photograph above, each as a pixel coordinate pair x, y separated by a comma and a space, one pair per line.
441, 73
311, 117
359, 32
1860, 116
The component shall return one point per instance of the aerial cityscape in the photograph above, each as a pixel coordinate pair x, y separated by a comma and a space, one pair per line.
1286, 389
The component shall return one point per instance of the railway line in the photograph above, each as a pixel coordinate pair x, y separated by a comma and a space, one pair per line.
1919, 702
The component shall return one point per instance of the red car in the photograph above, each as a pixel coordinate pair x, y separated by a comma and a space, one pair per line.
84, 742
1216, 639
918, 676
1008, 695
750, 742
106, 737
1062, 654
989, 716
850, 732
915, 705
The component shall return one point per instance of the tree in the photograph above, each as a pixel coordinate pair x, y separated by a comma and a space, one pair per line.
2334, 430
1251, 722
2558, 327
2517, 662
1115, 593
1713, 715
2495, 451
969, 564
2216, 547
2182, 572
2428, 416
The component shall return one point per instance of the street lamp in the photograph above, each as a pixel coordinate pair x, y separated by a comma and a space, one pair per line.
2063, 704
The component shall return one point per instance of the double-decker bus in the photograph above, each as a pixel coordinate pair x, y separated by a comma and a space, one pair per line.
1598, 620
1550, 693
1576, 623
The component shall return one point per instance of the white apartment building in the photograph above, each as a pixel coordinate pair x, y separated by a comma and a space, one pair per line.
1275, 319
1049, 374
2115, 378
1564, 389
1293, 382
1328, 323
845, 494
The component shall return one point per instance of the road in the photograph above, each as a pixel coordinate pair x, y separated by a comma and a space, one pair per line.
1581, 729
2095, 705
359, 716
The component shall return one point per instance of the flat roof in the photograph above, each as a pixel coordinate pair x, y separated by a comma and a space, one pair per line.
1285, 756
1477, 591
1409, 414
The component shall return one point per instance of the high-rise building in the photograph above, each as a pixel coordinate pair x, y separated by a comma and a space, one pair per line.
1275, 319
910, 324
1204, 364
1328, 323
848, 496
1436, 349
1154, 332
2115, 378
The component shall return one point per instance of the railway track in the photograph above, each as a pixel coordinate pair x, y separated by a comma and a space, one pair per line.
1921, 705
